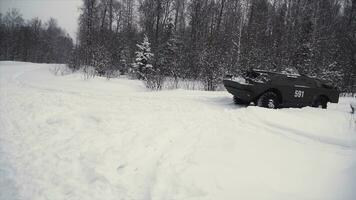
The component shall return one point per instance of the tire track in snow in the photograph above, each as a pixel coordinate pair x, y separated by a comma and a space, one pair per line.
296, 135
287, 132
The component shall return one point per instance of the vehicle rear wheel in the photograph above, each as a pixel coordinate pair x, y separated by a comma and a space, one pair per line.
239, 101
268, 100
321, 102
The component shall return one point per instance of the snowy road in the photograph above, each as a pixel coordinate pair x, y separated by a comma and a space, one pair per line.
62, 137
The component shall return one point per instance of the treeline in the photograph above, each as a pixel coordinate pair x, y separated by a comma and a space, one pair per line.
194, 39
205, 39
33, 40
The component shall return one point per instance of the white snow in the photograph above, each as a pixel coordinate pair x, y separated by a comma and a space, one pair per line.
63, 137
240, 80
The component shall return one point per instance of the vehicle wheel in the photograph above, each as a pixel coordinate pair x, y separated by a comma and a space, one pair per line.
268, 100
239, 101
321, 102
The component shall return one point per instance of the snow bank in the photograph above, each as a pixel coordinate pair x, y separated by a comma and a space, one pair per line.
63, 137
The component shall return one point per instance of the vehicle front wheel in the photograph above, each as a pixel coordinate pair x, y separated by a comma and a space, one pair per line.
321, 102
268, 100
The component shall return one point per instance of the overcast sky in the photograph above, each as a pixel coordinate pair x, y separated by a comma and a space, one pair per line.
65, 11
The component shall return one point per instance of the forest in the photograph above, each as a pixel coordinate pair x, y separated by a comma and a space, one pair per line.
202, 40
33, 40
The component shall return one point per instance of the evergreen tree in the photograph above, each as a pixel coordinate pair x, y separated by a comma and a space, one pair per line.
142, 66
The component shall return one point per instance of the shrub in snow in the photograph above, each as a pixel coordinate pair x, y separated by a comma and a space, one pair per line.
88, 72
60, 69
186, 84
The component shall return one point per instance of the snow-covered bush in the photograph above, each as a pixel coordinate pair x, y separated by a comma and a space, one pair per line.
186, 84
60, 70
88, 72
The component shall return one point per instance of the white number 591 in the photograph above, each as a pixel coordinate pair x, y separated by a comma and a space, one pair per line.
299, 94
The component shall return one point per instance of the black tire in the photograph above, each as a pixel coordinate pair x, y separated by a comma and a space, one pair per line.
320, 102
239, 101
268, 100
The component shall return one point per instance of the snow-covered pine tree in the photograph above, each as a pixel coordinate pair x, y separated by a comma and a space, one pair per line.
142, 66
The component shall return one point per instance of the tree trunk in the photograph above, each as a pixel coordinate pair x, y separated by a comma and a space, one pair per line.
110, 14
103, 17
158, 14
176, 14
220, 16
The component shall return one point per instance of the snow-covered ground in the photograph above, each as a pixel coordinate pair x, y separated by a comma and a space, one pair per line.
62, 137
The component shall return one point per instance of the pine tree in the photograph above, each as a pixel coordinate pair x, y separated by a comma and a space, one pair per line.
142, 66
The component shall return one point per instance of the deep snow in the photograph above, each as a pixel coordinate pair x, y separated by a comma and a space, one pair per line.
63, 137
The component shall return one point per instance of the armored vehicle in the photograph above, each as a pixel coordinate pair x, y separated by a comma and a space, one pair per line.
277, 90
